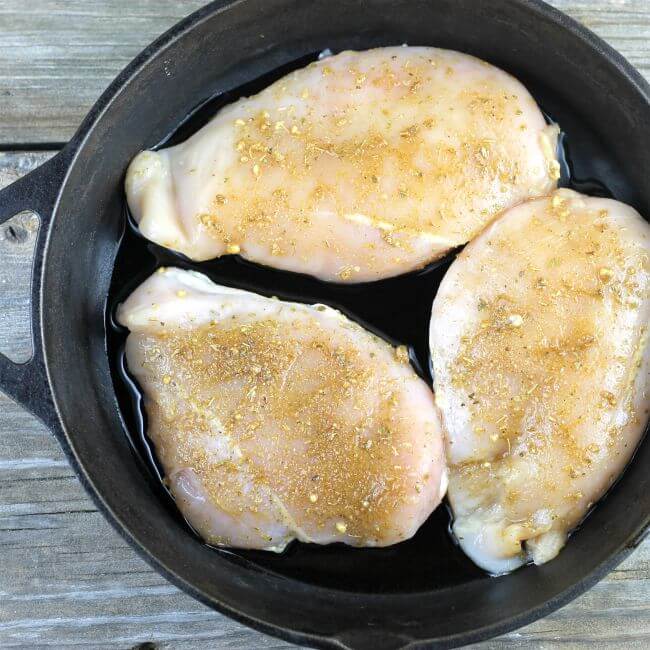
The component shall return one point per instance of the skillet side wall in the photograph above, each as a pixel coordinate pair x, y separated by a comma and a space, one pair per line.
229, 45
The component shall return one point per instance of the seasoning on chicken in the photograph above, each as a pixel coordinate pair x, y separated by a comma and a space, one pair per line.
539, 339
361, 166
276, 421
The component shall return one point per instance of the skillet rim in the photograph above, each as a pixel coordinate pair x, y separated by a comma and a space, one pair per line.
575, 31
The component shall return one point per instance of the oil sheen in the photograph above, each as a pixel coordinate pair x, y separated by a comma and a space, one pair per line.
397, 309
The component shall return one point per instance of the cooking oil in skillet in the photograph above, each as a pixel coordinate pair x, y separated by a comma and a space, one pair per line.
397, 309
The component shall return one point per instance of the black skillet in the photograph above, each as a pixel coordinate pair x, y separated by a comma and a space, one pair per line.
422, 592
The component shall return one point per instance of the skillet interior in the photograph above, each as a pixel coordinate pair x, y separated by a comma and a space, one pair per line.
420, 590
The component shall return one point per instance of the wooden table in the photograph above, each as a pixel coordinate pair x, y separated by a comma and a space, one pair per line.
66, 578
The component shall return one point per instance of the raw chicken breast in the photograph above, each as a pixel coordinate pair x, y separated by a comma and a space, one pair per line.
358, 167
277, 421
539, 345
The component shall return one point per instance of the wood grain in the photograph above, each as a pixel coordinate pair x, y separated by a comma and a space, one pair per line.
66, 578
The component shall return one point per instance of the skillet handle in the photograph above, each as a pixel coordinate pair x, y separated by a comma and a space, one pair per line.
27, 383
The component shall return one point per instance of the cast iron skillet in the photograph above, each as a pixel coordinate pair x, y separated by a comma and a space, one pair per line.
604, 107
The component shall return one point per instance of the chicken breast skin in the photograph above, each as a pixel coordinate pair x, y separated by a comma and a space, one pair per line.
361, 166
539, 346
276, 421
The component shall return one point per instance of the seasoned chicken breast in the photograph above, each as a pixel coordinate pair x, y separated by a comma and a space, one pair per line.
276, 421
539, 345
358, 167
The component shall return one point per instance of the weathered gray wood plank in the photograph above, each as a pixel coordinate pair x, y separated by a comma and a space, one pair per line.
56, 57
66, 579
